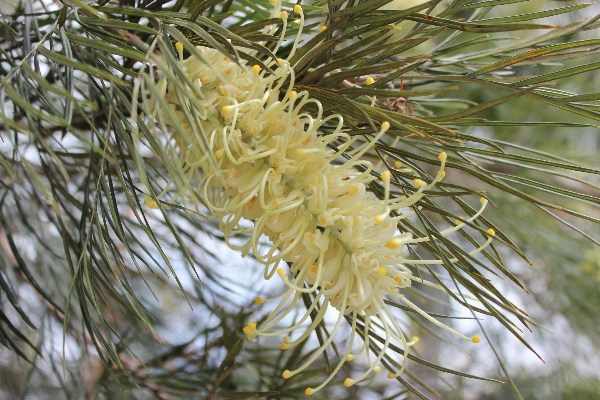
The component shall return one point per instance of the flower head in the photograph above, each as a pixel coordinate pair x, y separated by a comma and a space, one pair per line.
268, 161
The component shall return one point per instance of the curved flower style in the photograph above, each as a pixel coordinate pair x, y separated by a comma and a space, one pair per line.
275, 167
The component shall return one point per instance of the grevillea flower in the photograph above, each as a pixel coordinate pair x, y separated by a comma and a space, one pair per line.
268, 161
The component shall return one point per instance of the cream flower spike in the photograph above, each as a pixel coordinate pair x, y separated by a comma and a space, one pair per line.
274, 167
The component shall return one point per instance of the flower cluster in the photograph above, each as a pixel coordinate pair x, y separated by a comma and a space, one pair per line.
269, 162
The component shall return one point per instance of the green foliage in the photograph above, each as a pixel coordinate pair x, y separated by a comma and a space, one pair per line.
83, 254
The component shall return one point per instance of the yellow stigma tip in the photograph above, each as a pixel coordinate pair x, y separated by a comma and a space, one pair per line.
348, 382
283, 346
179, 47
379, 219
386, 175
280, 60
308, 391
350, 357
272, 1
259, 300
377, 369
475, 339
382, 271
443, 156
286, 374
417, 182
256, 68
219, 153
297, 9
415, 339
392, 244
151, 203
391, 375
323, 28
252, 325
280, 271
370, 81
491, 232
397, 164
385, 126
293, 95
442, 174
283, 15
227, 110
286, 339
483, 200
